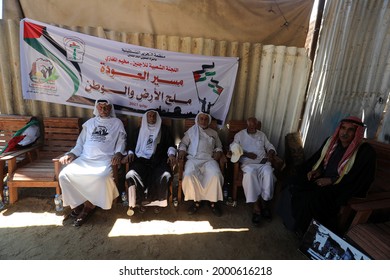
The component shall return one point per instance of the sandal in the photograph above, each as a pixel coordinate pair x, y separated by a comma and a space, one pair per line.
83, 216
76, 211
216, 210
266, 214
256, 218
142, 209
193, 209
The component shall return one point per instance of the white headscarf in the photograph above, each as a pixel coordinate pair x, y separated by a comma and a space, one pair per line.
148, 137
96, 111
193, 133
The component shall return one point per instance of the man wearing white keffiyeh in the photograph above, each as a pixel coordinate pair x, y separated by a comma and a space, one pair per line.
86, 180
203, 178
152, 155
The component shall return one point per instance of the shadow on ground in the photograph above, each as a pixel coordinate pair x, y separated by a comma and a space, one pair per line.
31, 229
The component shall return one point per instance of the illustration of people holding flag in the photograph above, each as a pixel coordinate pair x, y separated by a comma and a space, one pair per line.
201, 76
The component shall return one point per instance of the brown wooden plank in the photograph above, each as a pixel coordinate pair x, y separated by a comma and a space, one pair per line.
43, 171
32, 179
9, 124
34, 184
376, 233
60, 121
33, 174
60, 142
382, 181
374, 239
374, 204
60, 137
57, 130
34, 169
385, 227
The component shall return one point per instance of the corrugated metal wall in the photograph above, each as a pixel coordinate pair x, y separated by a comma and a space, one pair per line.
351, 71
270, 84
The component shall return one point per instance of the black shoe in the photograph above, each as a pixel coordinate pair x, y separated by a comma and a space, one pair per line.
157, 209
216, 210
256, 218
76, 211
193, 209
84, 216
266, 214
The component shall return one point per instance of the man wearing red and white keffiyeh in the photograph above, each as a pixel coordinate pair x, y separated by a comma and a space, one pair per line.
342, 168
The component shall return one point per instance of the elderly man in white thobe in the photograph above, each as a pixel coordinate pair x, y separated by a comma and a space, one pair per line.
202, 178
258, 180
87, 180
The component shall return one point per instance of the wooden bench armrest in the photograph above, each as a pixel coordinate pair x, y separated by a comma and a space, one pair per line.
180, 165
223, 162
365, 209
57, 167
236, 167
369, 197
362, 206
12, 158
372, 205
58, 157
18, 153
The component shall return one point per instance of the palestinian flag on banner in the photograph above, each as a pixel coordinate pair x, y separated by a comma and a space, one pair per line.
37, 37
216, 88
201, 75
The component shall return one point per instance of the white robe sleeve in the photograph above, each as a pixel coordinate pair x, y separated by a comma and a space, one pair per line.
120, 146
78, 149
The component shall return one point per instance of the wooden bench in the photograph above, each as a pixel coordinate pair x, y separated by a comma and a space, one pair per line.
372, 236
60, 135
358, 210
9, 125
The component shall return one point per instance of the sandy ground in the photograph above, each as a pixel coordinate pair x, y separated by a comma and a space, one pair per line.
30, 229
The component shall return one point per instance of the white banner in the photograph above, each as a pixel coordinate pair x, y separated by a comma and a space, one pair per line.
66, 67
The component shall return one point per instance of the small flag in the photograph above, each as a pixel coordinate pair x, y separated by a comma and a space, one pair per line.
214, 85
201, 75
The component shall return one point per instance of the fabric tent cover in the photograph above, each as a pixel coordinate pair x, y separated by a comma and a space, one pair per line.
276, 22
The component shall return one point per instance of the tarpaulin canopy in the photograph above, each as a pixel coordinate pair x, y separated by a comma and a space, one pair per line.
276, 22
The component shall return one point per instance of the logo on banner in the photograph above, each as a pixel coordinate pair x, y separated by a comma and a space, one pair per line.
43, 75
75, 49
